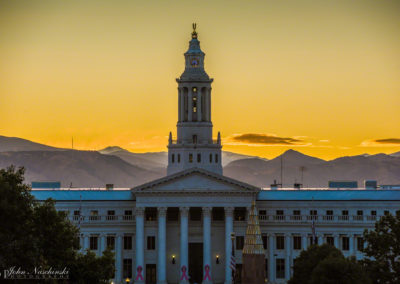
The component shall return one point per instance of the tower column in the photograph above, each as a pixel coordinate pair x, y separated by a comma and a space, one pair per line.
161, 255
180, 105
190, 104
336, 240
199, 112
102, 243
139, 212
184, 267
320, 239
209, 104
271, 258
207, 245
228, 243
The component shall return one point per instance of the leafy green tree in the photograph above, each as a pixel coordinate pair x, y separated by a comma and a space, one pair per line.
383, 250
34, 234
326, 264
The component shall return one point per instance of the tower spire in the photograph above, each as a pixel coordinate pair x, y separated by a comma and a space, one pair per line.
194, 33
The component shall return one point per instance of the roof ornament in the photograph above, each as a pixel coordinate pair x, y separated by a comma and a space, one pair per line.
194, 33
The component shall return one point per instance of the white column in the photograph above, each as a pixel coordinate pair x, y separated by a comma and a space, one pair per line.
118, 259
179, 105
228, 243
351, 244
139, 215
103, 244
271, 258
207, 245
184, 267
287, 256
162, 239
190, 105
86, 242
320, 239
336, 240
199, 113
304, 241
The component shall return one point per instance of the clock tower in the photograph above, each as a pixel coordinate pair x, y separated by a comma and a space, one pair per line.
194, 145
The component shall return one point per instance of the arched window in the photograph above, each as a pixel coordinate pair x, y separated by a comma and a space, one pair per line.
179, 158
194, 104
190, 158
210, 158
173, 158
199, 158
216, 158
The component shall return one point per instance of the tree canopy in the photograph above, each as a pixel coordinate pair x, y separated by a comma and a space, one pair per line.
34, 234
326, 264
383, 250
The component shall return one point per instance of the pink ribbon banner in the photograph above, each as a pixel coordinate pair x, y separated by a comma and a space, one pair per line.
184, 276
139, 276
207, 270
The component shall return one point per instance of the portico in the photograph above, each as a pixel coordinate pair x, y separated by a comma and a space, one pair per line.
189, 190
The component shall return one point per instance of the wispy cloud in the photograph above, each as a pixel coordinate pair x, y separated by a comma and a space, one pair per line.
388, 142
259, 139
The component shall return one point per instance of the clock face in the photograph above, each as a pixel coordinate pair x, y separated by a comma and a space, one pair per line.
194, 62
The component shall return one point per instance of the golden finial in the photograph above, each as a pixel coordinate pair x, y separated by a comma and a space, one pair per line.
194, 33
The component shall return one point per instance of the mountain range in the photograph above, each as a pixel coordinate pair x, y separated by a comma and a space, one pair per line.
93, 169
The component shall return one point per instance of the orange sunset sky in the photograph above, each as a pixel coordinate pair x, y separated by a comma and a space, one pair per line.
320, 77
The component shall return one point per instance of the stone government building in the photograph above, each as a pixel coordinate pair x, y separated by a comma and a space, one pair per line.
177, 228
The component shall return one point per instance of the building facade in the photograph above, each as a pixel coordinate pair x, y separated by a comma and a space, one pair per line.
177, 229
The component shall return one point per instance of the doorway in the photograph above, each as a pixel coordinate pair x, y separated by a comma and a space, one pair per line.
195, 262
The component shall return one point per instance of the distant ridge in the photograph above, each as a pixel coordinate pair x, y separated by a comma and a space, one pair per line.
127, 169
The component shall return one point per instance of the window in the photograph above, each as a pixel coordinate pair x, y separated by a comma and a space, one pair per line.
373, 213
151, 213
190, 158
151, 242
297, 242
239, 242
94, 215
173, 158
195, 213
218, 214
127, 268
330, 241
179, 158
359, 212
345, 212
345, 243
128, 215
329, 212
128, 242
296, 212
262, 212
216, 158
386, 212
280, 242
280, 268
94, 242
360, 243
173, 214
111, 242
199, 158
265, 241
111, 215
210, 158
194, 138
279, 212
240, 213
77, 213
313, 240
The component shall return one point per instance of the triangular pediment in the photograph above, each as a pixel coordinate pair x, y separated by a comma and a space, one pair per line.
194, 180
